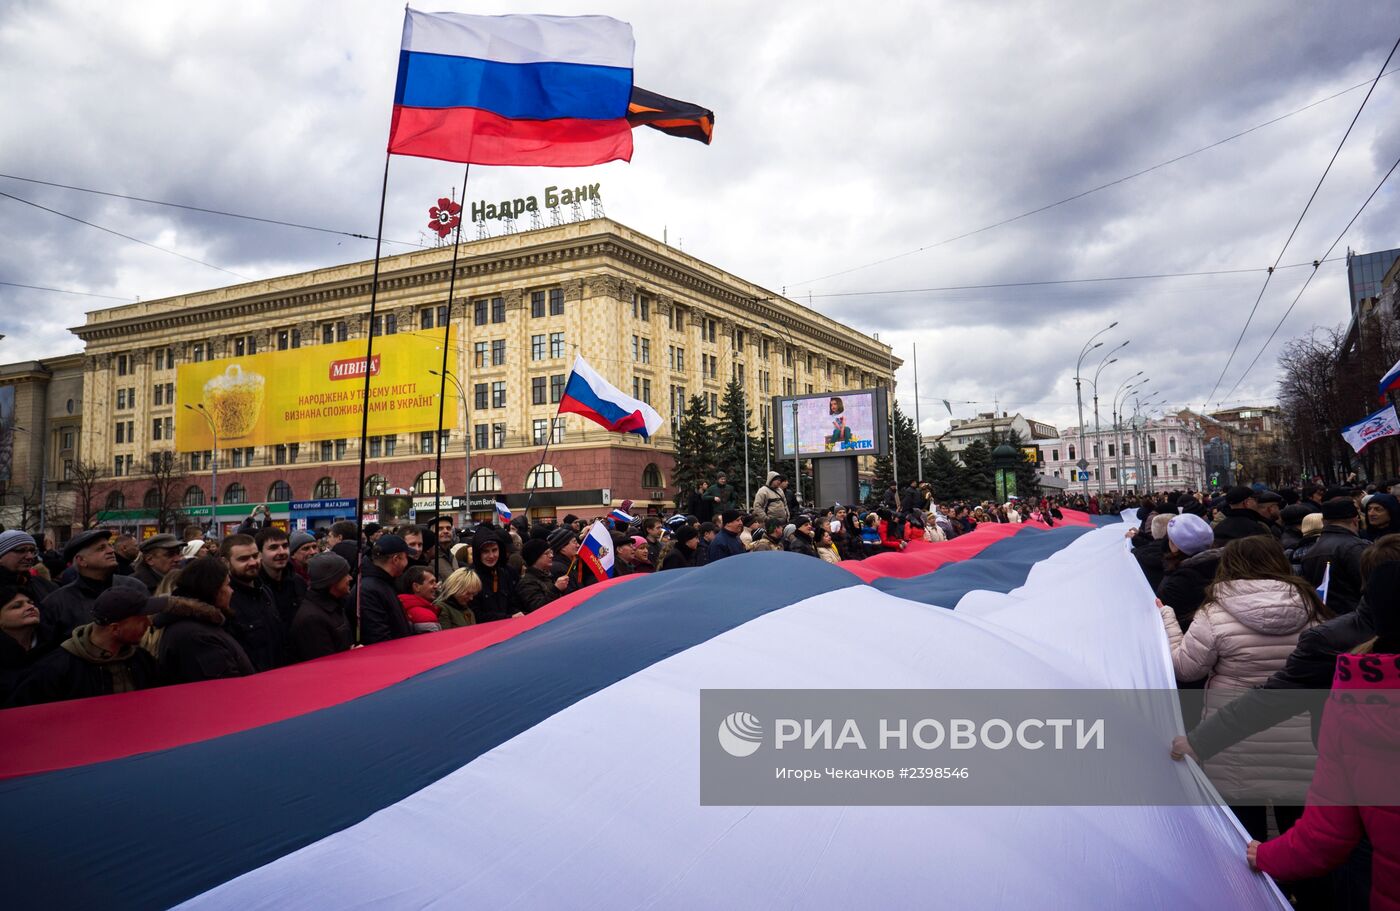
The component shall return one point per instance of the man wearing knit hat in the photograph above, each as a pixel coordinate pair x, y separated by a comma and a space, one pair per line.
320, 626
302, 547
537, 585
1337, 555
18, 554
100, 657
94, 561
563, 541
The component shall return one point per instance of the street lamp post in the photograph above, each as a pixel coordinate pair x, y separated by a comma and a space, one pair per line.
1118, 395
467, 438
744, 414
1082, 466
1098, 431
1143, 458
214, 476
796, 452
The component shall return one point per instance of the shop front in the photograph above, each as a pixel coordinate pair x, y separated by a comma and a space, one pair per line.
221, 520
309, 515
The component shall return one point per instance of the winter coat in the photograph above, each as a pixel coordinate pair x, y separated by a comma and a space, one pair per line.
196, 643
494, 601
726, 544
453, 615
1391, 506
765, 544
286, 593
1236, 641
1240, 523
828, 553
536, 589
15, 660
1342, 548
71, 606
257, 627
679, 557
422, 614
78, 669
381, 616
320, 628
770, 504
728, 498
36, 587
1358, 748
802, 544
1296, 549
1308, 669
1149, 558
1184, 582
147, 577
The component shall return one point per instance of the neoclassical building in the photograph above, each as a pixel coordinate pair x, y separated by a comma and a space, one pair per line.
651, 319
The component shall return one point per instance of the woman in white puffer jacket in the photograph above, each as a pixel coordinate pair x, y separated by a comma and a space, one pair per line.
1244, 631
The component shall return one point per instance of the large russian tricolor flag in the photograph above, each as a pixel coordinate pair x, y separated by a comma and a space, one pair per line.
588, 394
551, 761
513, 90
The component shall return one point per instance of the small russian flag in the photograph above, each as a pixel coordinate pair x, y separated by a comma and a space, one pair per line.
618, 515
503, 511
1390, 381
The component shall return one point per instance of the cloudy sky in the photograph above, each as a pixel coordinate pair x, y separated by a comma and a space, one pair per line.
848, 137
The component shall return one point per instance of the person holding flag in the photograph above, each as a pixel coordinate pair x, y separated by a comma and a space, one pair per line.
596, 553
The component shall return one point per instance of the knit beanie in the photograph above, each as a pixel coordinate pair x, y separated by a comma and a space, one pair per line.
532, 550
1191, 534
13, 538
326, 569
298, 540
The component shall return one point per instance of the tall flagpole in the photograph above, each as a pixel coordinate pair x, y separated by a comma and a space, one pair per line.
918, 433
548, 440
442, 373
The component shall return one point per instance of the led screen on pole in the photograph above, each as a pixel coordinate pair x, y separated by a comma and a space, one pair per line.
851, 423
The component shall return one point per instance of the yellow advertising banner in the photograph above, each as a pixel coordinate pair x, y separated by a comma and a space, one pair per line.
313, 393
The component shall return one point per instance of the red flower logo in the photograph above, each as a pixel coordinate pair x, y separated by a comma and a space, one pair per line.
444, 216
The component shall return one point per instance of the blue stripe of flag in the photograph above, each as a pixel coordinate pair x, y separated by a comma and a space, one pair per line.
520, 91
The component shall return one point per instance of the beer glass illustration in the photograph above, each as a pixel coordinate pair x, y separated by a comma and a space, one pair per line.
234, 399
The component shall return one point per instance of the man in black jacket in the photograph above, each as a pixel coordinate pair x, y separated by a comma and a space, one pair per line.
320, 627
100, 658
94, 561
275, 573
494, 601
726, 543
256, 625
159, 554
18, 554
1242, 517
802, 541
538, 586
1337, 555
382, 617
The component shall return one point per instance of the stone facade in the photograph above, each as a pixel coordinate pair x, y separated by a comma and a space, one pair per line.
1165, 453
43, 444
629, 301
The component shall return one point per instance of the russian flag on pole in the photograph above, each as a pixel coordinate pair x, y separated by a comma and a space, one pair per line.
548, 91
617, 515
1391, 381
595, 398
596, 551
503, 511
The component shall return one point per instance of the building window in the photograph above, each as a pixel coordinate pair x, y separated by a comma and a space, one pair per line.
498, 352
376, 447
123, 364
279, 492
498, 394
1111, 452
327, 450
641, 307
245, 345
536, 304
1173, 469
235, 493
121, 401
481, 434
651, 476
375, 485
556, 344
115, 499
427, 483
121, 432
1151, 446
425, 442
711, 328
1071, 452
1171, 446
479, 395
641, 389
714, 401
194, 496
539, 430
556, 387
1127, 449
537, 393
479, 312
543, 477
556, 301
385, 324
484, 480
338, 331
326, 489
1054, 455
430, 317
646, 351
498, 309
67, 440
537, 347
738, 339
340, 447
479, 354
1154, 469
498, 436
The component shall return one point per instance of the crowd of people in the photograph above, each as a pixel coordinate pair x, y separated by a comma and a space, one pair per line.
1265, 592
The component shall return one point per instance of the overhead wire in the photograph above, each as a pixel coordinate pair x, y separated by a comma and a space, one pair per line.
110, 297
1092, 190
1299, 222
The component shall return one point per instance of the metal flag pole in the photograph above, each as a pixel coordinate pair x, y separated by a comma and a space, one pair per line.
548, 440
442, 373
918, 433
894, 429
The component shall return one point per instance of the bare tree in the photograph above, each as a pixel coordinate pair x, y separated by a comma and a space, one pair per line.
1315, 396
165, 495
84, 479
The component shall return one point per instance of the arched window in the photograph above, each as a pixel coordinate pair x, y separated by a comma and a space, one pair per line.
484, 480
1071, 452
1171, 445
194, 496
374, 485
1151, 445
427, 483
116, 500
152, 499
326, 489
543, 477
235, 493
651, 476
279, 492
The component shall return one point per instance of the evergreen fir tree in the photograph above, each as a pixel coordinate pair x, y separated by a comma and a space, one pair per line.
977, 471
945, 475
909, 451
694, 468
734, 427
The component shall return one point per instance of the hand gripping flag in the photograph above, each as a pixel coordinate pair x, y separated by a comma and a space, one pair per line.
549, 91
1372, 427
595, 398
596, 551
